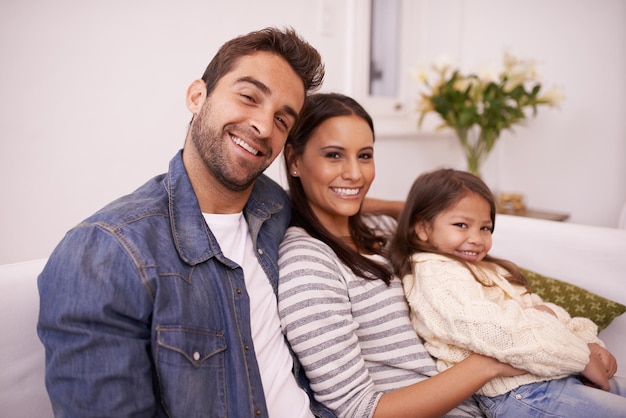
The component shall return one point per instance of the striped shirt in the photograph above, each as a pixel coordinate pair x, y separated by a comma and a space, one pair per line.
353, 336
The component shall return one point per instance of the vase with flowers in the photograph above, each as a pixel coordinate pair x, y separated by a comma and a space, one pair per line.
479, 106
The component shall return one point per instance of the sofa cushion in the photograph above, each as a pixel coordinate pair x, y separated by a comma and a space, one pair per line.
575, 300
22, 390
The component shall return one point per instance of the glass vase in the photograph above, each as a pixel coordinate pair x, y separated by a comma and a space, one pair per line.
475, 147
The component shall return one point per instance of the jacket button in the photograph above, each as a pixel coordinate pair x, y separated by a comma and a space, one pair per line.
246, 347
260, 251
196, 356
258, 412
238, 291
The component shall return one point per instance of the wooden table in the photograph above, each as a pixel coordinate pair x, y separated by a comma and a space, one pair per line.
539, 214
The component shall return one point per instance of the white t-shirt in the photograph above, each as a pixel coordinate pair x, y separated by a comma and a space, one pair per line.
283, 396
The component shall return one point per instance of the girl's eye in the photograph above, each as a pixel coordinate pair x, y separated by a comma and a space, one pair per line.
461, 225
487, 228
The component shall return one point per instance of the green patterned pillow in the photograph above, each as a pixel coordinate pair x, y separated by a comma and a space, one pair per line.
575, 300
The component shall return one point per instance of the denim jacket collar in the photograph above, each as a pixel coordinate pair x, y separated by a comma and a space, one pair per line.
194, 241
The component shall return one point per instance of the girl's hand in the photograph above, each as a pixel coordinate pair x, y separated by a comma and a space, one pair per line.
544, 308
609, 361
597, 372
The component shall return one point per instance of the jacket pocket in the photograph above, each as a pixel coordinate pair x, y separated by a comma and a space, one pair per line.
191, 371
188, 346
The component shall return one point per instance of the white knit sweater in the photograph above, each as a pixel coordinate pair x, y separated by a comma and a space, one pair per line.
353, 336
457, 315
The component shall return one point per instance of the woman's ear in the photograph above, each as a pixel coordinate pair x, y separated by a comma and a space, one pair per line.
196, 95
292, 161
421, 230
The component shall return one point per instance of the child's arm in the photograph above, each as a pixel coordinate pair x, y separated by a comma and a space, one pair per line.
454, 312
582, 327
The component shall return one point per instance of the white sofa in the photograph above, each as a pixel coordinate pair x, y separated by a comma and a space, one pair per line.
587, 256
590, 257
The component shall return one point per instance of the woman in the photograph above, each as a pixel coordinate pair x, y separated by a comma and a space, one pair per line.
341, 308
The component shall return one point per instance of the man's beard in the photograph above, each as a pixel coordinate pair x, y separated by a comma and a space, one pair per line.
212, 147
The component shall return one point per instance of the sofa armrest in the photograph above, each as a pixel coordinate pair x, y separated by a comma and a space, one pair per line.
588, 256
22, 389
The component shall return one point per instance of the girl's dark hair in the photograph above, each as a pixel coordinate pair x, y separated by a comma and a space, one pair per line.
317, 109
301, 56
431, 194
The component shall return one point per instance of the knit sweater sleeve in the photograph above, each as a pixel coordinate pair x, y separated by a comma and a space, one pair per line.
316, 316
451, 310
584, 328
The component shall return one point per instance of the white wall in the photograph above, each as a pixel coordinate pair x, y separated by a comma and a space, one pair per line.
569, 160
92, 101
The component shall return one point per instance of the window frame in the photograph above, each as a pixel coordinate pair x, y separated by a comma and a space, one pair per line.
393, 116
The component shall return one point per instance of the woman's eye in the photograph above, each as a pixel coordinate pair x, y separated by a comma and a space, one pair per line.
332, 155
366, 156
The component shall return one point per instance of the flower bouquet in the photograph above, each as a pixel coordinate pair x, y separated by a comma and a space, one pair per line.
479, 106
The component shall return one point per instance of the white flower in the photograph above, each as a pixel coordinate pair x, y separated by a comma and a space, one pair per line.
517, 71
510, 60
488, 75
420, 74
463, 83
520, 73
552, 97
442, 63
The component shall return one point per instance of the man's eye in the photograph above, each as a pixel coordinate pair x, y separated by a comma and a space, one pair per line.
282, 121
248, 98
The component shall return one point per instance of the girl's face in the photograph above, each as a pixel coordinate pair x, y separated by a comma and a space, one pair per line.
463, 230
336, 170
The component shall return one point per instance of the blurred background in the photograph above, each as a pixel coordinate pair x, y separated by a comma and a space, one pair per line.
93, 96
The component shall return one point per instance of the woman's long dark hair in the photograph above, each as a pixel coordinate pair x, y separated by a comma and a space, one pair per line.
317, 109
431, 194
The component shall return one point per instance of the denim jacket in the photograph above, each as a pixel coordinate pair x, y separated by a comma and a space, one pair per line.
142, 315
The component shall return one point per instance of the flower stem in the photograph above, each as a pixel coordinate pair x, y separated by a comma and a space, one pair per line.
474, 149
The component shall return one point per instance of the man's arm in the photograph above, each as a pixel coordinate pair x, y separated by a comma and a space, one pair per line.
94, 322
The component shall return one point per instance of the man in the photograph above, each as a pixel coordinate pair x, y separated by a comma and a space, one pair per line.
163, 302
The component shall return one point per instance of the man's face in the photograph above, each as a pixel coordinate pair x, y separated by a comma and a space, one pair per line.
243, 125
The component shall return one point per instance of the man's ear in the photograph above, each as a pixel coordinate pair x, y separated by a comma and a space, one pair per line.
421, 229
196, 95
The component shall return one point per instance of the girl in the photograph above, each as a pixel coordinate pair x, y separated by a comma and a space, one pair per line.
342, 309
463, 301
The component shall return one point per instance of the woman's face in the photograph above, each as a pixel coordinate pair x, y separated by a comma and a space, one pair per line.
336, 169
